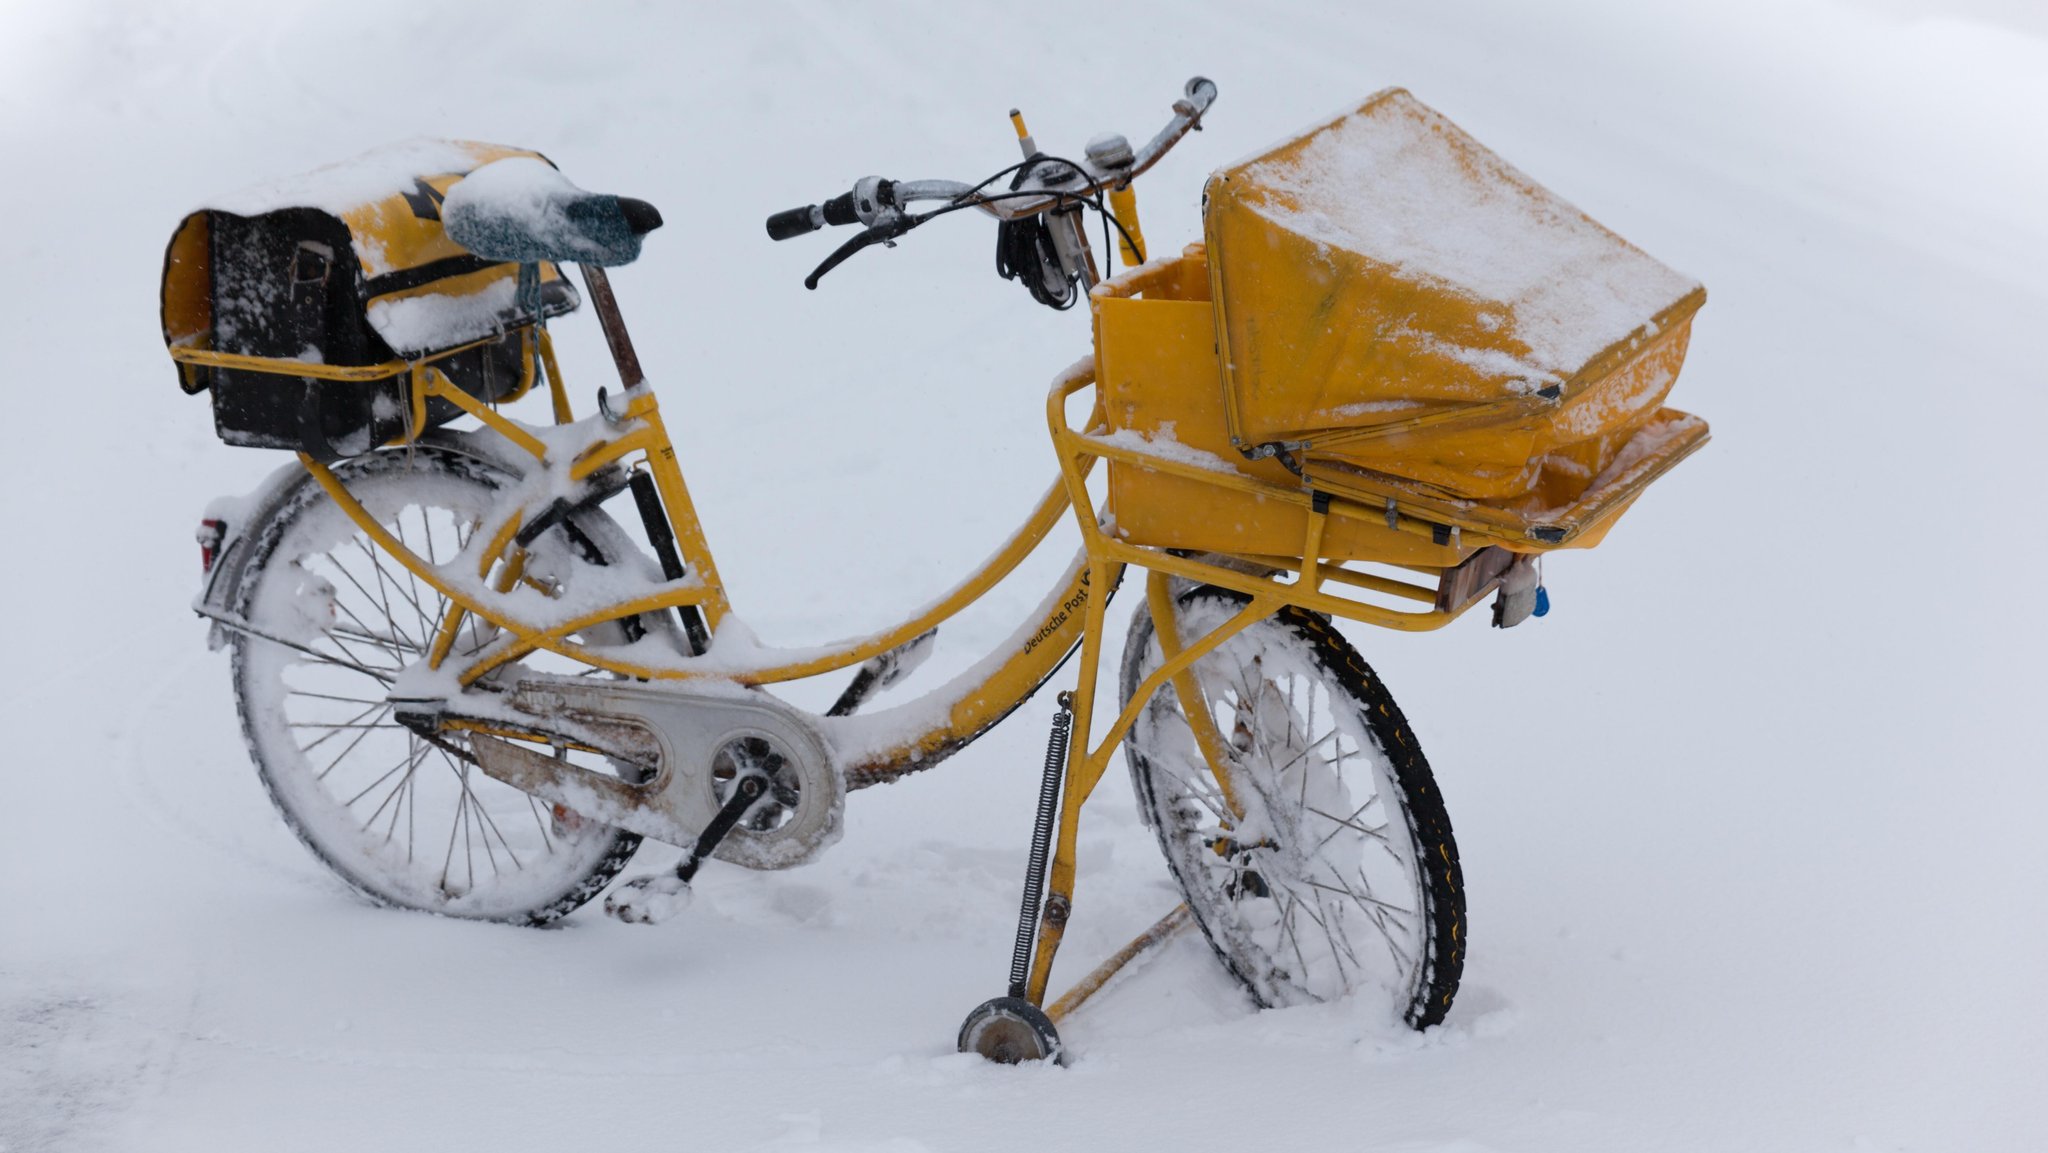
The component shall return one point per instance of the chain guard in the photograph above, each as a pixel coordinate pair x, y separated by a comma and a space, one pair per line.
694, 736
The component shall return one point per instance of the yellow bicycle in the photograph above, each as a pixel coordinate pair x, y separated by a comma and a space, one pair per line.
471, 691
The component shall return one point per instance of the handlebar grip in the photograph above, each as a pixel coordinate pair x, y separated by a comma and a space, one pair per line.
839, 210
795, 222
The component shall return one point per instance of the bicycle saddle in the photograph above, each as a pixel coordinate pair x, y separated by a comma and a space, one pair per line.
521, 210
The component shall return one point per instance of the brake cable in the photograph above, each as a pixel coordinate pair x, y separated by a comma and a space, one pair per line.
1025, 251
888, 231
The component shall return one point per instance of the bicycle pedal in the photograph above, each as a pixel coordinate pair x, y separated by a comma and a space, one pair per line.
648, 900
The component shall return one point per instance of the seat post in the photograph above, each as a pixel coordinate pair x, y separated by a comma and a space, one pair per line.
607, 307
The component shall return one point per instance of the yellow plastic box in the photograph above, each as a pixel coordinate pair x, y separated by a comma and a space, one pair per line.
1155, 367
1403, 315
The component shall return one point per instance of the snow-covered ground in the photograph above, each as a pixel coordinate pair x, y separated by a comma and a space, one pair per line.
1751, 822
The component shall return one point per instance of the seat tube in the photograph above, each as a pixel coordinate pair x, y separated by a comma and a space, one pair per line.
682, 516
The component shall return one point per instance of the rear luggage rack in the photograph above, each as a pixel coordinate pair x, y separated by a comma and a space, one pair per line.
315, 311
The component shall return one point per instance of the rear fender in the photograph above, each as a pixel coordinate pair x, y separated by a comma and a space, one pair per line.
233, 517
224, 526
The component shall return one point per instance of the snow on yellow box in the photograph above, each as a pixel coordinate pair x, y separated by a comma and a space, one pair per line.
1406, 317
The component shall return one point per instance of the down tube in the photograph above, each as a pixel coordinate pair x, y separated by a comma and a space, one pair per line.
917, 735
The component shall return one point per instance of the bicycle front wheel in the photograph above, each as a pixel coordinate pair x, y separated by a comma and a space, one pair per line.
1321, 864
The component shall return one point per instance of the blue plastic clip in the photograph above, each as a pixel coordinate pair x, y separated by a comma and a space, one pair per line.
1542, 602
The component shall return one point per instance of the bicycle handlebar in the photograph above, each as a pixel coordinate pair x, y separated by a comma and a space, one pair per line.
879, 203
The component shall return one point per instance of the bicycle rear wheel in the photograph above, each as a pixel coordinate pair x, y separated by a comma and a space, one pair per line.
407, 821
1326, 867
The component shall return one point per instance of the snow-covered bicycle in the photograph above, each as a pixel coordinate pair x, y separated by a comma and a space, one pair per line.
471, 691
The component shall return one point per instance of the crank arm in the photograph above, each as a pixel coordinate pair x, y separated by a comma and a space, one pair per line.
745, 792
657, 896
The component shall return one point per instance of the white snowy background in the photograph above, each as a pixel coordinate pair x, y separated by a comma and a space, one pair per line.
1752, 823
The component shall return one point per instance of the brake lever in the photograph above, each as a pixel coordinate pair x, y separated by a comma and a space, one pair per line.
875, 234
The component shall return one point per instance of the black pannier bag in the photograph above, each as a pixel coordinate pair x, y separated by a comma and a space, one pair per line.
347, 267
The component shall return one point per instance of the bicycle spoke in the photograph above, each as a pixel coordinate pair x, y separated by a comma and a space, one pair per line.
314, 656
1388, 845
411, 578
487, 825
1344, 937
383, 600
340, 756
397, 801
412, 813
1342, 823
441, 612
467, 807
1394, 950
445, 606
399, 793
511, 853
377, 568
331, 697
1287, 930
546, 839
1388, 907
350, 723
400, 652
1306, 751
364, 629
1363, 901
1301, 793
1209, 800
388, 773
459, 823
335, 635
409, 763
1377, 912
1330, 938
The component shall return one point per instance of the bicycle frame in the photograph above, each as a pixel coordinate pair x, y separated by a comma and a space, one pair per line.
637, 431
491, 584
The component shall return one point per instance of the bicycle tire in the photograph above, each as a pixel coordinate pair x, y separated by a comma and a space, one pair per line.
1245, 873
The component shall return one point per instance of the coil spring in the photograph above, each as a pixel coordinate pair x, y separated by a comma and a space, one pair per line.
1041, 845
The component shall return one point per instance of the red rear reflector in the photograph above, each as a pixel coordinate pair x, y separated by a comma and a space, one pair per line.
209, 535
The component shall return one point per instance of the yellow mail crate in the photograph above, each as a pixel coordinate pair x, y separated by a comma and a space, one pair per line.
1155, 367
1401, 312
1388, 314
